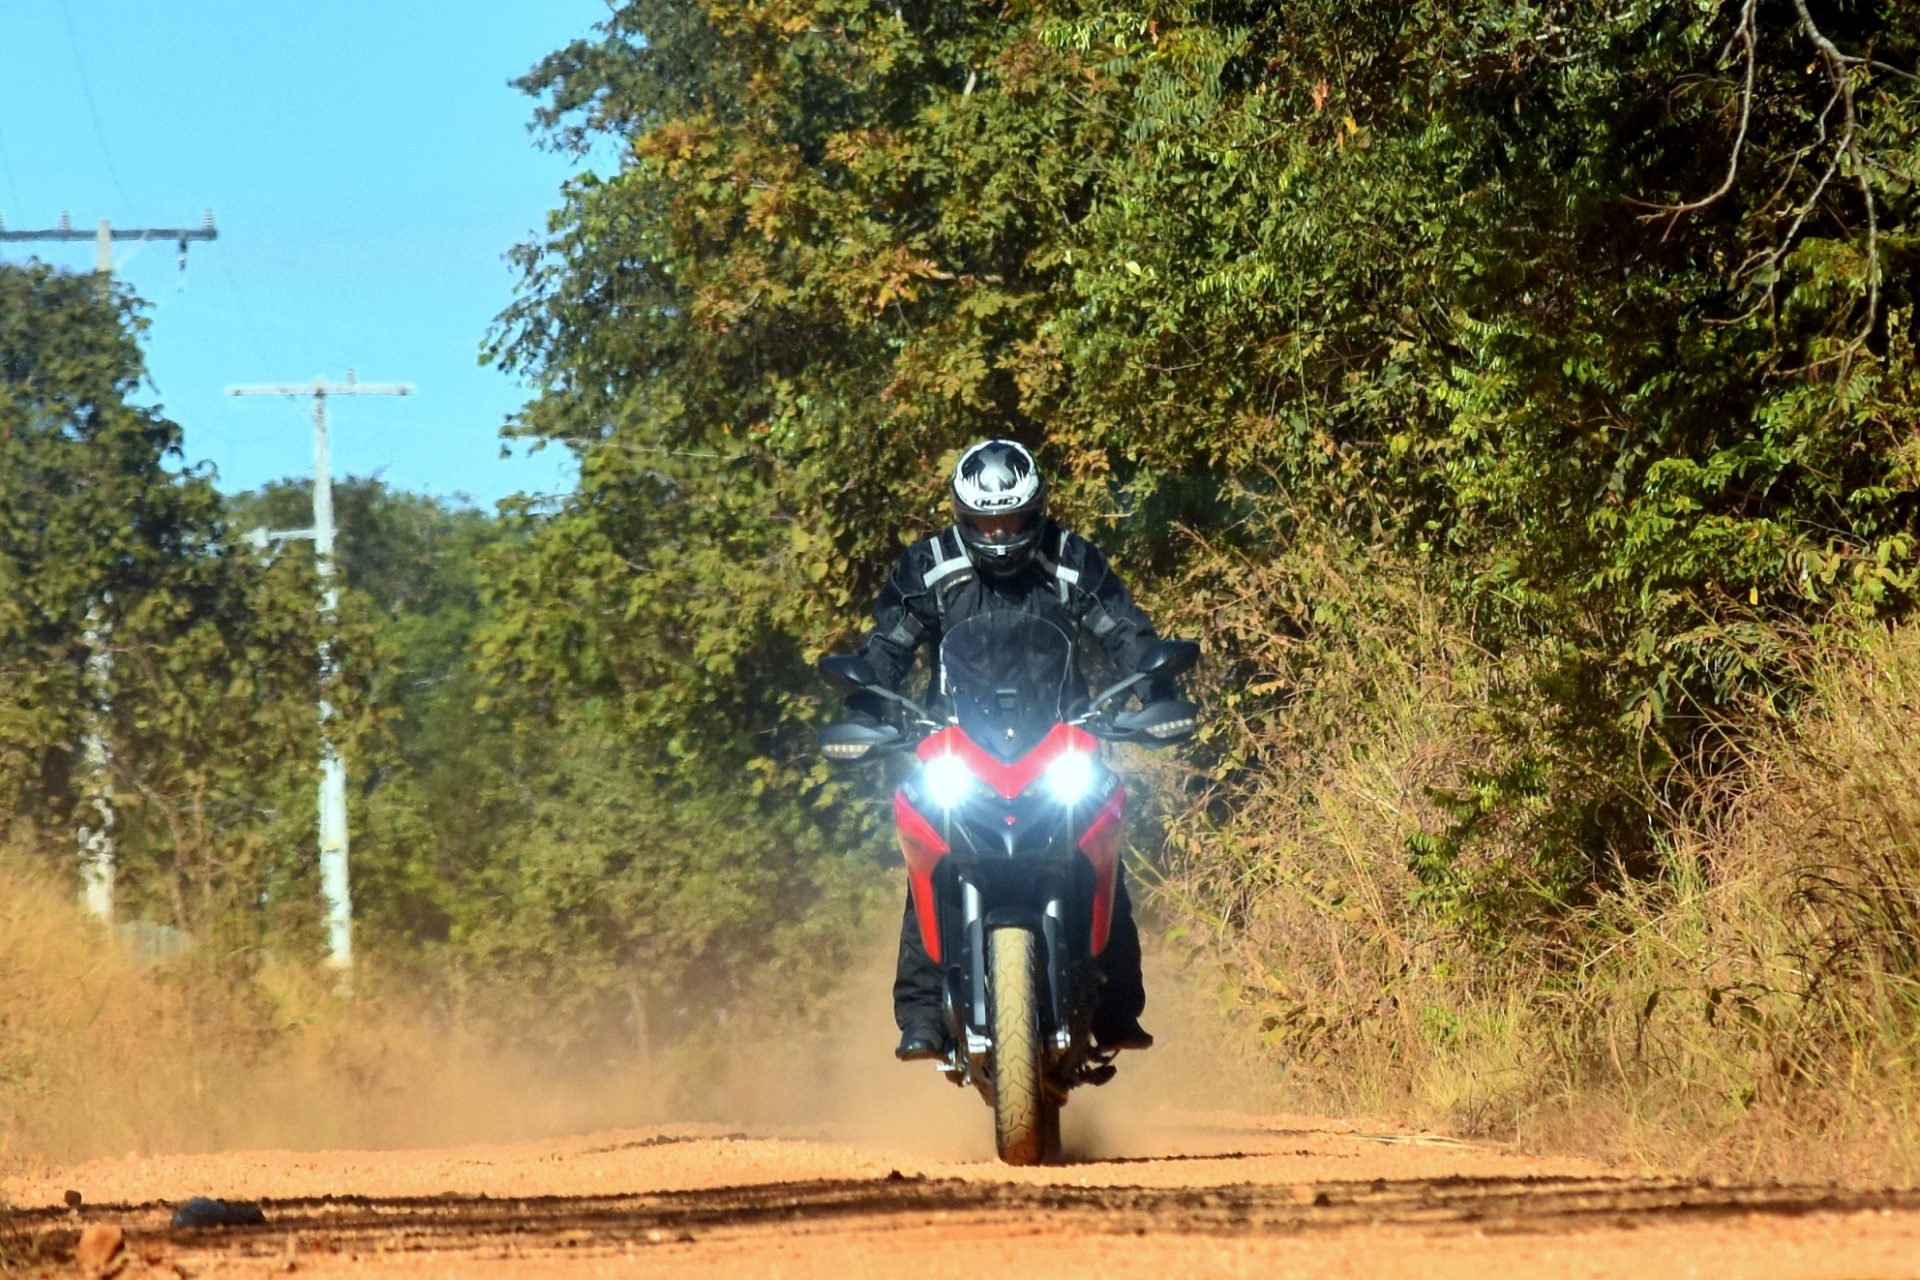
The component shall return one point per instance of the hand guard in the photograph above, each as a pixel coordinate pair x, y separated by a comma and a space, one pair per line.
852, 739
1163, 720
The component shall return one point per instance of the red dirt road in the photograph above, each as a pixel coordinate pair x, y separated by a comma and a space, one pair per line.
834, 1161
1229, 1195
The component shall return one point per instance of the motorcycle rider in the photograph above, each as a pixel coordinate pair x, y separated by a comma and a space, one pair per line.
1003, 552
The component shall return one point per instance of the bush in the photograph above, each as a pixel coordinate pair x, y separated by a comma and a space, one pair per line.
1749, 1000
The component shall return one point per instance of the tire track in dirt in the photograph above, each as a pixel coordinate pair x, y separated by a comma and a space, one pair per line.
1484, 1204
1214, 1198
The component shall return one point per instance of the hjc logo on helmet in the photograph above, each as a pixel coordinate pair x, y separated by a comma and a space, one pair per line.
996, 474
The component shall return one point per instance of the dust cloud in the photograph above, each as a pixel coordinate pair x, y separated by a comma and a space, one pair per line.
837, 1081
105, 1056
103, 1053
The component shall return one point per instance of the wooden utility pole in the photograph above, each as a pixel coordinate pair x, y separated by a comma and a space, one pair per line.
334, 881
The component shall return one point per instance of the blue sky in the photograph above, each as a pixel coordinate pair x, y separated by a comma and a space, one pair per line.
367, 165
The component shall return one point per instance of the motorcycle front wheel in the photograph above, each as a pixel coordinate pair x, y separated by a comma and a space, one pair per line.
1026, 1123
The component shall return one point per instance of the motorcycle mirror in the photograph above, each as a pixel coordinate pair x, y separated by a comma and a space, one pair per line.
848, 670
1167, 658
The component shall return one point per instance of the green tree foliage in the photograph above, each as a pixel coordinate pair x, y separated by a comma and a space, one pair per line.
207, 707
511, 851
1571, 308
1603, 320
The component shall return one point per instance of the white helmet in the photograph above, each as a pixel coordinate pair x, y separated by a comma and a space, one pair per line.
999, 505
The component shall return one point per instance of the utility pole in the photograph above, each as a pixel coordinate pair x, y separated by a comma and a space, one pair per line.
97, 855
334, 882
97, 852
104, 235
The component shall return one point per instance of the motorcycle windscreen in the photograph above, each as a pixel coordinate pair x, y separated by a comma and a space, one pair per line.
1006, 678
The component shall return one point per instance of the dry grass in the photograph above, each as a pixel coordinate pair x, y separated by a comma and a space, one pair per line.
100, 1054
1753, 1009
1764, 1008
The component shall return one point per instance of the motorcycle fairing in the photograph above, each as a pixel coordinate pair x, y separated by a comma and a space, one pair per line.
1008, 780
922, 847
1100, 845
1007, 677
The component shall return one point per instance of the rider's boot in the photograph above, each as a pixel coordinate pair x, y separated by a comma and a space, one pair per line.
1116, 1014
1120, 1031
921, 1038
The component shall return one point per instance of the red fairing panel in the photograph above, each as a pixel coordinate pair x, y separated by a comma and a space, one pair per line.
1008, 780
922, 847
1100, 843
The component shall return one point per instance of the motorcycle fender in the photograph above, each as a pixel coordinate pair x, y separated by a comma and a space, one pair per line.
1100, 846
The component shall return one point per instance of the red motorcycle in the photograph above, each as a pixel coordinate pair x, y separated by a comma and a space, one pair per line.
1011, 828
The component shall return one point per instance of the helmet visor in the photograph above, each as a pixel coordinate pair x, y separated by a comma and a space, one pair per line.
1001, 528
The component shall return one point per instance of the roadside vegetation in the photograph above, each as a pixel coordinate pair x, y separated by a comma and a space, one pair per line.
1519, 402
1745, 1001
106, 1051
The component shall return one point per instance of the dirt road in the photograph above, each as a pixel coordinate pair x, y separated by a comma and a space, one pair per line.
838, 1162
1218, 1194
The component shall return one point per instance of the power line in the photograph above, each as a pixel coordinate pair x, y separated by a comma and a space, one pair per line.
246, 312
6, 170
86, 87
253, 328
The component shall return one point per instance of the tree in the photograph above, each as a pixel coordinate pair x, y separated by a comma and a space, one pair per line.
1602, 321
208, 708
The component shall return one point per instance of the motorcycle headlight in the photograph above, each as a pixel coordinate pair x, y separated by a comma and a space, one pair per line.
1070, 777
946, 780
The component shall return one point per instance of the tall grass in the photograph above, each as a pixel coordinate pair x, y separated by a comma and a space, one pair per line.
1777, 969
1749, 1002
103, 1054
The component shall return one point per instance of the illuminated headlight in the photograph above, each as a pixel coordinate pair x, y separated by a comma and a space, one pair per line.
1171, 728
1070, 777
946, 780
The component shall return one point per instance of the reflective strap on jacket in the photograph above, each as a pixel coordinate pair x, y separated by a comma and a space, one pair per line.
950, 571
1064, 579
945, 563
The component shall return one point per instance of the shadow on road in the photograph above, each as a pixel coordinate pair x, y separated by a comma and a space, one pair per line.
427, 1224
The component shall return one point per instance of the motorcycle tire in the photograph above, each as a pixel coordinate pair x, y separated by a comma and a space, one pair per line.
1025, 1123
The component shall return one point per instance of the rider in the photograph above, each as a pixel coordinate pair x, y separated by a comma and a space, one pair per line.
1004, 553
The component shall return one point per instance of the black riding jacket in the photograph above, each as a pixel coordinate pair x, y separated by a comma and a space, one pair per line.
934, 587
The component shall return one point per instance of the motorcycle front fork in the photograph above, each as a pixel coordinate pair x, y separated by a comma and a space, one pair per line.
1070, 991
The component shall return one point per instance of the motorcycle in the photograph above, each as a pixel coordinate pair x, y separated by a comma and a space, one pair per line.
1011, 828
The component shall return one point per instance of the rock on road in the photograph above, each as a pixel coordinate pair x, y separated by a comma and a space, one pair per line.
1201, 1194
